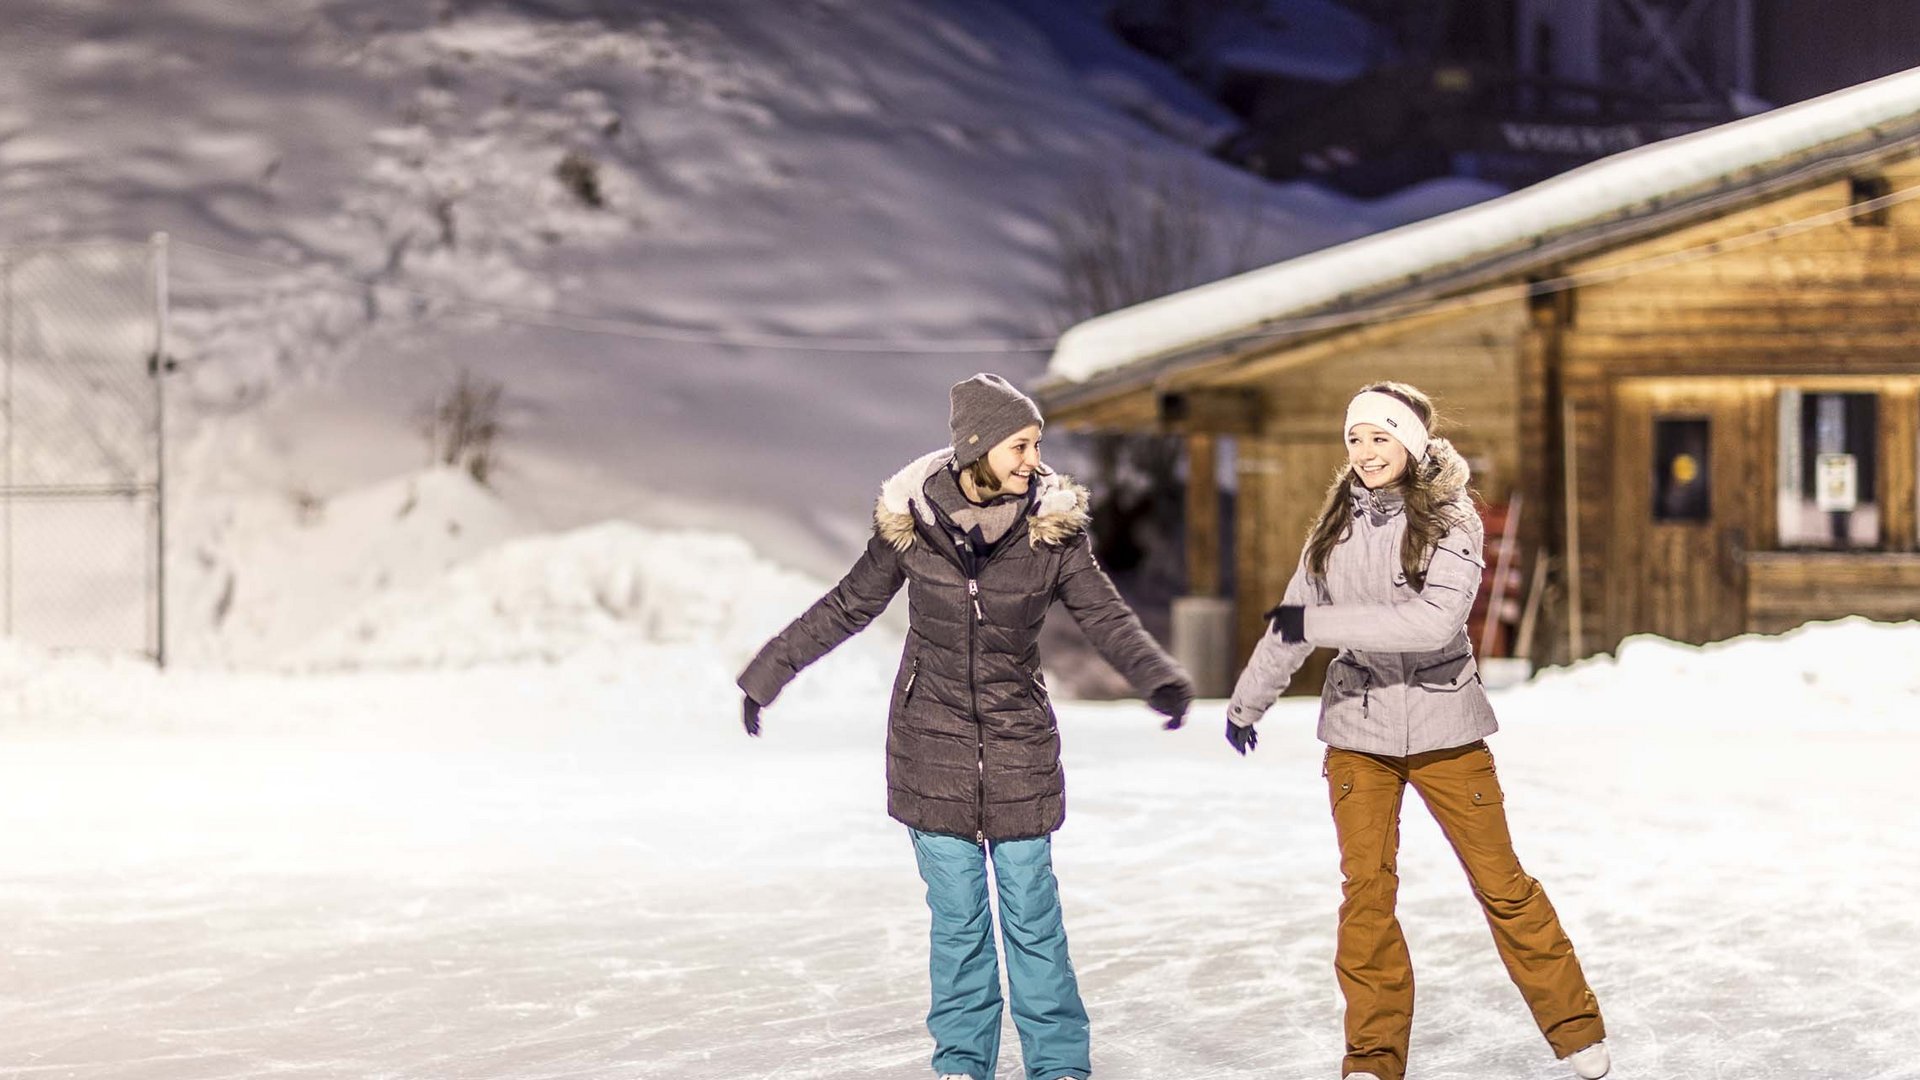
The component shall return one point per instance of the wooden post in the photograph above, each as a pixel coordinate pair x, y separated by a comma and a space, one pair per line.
1899, 459
1576, 631
1203, 516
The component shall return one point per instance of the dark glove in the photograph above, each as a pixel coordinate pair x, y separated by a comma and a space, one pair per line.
1289, 621
750, 715
1171, 701
1242, 738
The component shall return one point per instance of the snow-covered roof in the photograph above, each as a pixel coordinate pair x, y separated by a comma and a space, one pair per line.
1608, 189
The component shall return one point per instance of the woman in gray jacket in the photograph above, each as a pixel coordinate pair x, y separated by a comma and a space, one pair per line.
1388, 576
985, 538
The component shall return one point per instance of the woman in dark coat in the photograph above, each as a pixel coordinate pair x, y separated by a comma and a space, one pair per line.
985, 538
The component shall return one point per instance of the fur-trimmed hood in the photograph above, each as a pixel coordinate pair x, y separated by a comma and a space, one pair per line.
1452, 475
1060, 506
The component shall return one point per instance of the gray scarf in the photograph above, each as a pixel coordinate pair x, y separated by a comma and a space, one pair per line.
994, 518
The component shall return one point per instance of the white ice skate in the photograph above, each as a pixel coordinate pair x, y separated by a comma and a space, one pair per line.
1592, 1062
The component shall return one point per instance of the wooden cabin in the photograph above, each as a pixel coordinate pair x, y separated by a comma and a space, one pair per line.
1691, 372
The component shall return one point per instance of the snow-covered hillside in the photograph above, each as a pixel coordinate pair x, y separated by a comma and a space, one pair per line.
621, 187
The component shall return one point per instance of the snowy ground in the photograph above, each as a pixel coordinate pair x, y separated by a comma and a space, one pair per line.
585, 870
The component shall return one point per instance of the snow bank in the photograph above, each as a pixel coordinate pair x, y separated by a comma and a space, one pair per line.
664, 619
613, 585
1851, 673
682, 610
284, 566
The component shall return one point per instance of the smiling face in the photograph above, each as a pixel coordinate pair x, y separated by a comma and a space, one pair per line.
1377, 457
1014, 460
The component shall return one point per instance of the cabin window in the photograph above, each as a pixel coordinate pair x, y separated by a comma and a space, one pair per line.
1682, 470
1866, 189
1829, 470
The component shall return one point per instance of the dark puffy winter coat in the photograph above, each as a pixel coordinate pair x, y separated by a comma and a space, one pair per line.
973, 749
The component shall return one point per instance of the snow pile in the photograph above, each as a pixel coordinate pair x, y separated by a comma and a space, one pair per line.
1851, 672
281, 568
69, 690
548, 598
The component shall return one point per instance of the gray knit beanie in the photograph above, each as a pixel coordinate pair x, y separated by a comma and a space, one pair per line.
987, 409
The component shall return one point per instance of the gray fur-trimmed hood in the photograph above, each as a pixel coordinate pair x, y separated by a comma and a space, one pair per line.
1451, 473
1060, 506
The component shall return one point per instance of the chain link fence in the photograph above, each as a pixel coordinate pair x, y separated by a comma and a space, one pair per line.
82, 341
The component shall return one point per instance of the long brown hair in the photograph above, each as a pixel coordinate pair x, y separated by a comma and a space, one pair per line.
984, 480
1428, 507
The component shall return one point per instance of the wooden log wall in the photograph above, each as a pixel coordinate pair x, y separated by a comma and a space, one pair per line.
1281, 484
1787, 590
1826, 308
1469, 366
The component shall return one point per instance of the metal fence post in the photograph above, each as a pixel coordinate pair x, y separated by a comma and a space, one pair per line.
158, 368
6, 357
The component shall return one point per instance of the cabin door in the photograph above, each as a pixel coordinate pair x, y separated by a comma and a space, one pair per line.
1692, 472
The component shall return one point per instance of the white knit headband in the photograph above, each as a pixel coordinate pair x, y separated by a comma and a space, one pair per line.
1391, 415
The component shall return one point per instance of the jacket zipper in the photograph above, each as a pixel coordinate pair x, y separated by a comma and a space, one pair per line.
980, 733
979, 729
906, 695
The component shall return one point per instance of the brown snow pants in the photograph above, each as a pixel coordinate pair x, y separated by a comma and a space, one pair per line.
1371, 960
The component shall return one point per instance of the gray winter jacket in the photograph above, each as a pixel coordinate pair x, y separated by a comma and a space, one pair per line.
1405, 681
972, 746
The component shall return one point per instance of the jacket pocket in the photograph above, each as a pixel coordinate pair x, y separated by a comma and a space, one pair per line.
1448, 675
1346, 681
1038, 689
1449, 706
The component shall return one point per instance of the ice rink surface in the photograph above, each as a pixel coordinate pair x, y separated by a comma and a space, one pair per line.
586, 870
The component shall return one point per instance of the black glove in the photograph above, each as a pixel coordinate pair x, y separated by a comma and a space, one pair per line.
1171, 700
1242, 738
1289, 621
750, 715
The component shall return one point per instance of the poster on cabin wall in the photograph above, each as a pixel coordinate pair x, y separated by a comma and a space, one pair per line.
1837, 483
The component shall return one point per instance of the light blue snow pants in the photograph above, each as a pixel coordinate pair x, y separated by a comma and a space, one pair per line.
965, 1017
